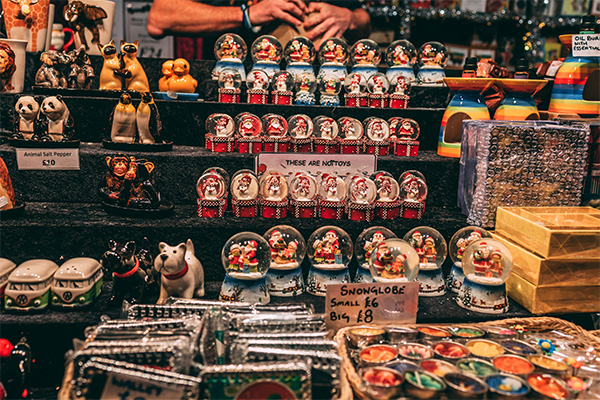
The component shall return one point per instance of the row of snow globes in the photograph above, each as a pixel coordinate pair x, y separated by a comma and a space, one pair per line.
247, 133
258, 267
305, 196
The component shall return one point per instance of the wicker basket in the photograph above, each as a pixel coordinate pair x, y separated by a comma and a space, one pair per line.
537, 324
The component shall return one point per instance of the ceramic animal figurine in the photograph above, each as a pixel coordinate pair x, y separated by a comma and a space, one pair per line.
26, 118
7, 67
132, 71
149, 127
123, 121
129, 271
182, 81
55, 121
114, 177
167, 71
49, 75
109, 78
139, 187
7, 200
81, 16
81, 73
182, 273
27, 20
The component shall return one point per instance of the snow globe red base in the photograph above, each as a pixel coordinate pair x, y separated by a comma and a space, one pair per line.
249, 128
273, 192
275, 139
351, 140
361, 199
212, 193
300, 128
220, 130
387, 204
332, 196
244, 194
377, 136
303, 193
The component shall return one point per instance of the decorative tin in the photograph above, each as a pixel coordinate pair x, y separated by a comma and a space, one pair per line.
377, 355
477, 367
438, 367
382, 383
450, 351
486, 349
423, 385
548, 387
465, 386
512, 364
365, 335
414, 351
506, 386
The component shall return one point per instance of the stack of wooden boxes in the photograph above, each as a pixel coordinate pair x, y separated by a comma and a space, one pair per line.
556, 257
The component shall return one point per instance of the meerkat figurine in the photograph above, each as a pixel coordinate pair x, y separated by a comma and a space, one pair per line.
123, 121
148, 122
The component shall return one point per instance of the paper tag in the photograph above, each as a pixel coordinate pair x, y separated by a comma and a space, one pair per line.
3, 201
55, 159
371, 303
316, 164
586, 45
130, 388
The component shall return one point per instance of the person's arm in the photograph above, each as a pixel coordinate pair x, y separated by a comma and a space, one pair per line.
191, 17
332, 21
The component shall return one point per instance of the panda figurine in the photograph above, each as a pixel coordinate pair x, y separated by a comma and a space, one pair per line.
26, 119
55, 122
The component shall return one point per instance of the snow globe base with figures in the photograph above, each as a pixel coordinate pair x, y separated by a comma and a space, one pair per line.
230, 52
246, 259
486, 265
394, 260
329, 251
457, 246
288, 248
365, 244
432, 250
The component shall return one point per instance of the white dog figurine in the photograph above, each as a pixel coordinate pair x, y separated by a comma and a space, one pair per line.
182, 273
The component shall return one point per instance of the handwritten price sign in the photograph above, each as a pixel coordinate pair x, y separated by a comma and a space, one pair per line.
371, 303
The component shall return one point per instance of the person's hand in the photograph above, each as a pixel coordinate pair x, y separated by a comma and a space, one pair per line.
327, 20
290, 11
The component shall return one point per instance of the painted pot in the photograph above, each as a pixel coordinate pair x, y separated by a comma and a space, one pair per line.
27, 20
518, 103
12, 58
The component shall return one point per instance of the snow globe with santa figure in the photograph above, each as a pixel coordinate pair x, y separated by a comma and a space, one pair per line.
306, 85
333, 55
303, 195
400, 56
431, 248
351, 135
332, 197
399, 93
325, 137
387, 203
212, 193
219, 133
362, 193
273, 195
330, 87
404, 133
377, 141
365, 56
246, 258
230, 82
329, 251
288, 249
300, 128
394, 260
365, 244
282, 84
266, 52
413, 193
275, 129
432, 60
244, 194
299, 54
355, 87
378, 86
248, 129
258, 83
456, 249
230, 52
486, 264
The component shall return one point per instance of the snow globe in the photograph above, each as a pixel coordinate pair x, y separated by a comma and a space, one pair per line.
246, 258
333, 55
401, 56
378, 136
432, 60
330, 87
244, 194
355, 86
275, 129
431, 248
366, 243
248, 128
306, 84
394, 260
230, 82
486, 264
258, 87
273, 195
399, 94
365, 56
230, 52
299, 54
404, 133
219, 133
413, 193
266, 52
288, 249
212, 193
457, 246
300, 128
387, 203
362, 193
325, 138
303, 193
378, 86
351, 133
332, 192
329, 252
282, 84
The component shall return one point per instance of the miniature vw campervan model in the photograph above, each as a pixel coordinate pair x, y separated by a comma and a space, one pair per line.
77, 282
28, 287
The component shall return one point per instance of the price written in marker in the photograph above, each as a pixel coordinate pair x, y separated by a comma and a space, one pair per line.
48, 159
371, 303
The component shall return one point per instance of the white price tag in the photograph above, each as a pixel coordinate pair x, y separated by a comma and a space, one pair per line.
586, 45
43, 159
130, 388
316, 164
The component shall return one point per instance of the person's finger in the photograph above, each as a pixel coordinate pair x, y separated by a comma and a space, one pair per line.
286, 17
301, 5
315, 7
314, 20
320, 29
332, 32
293, 9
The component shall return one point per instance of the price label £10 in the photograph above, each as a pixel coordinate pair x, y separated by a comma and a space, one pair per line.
48, 159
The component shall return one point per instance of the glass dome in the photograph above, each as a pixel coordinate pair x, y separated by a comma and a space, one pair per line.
266, 48
330, 85
351, 128
230, 79
365, 52
220, 125
300, 126
274, 125
273, 186
433, 54
401, 53
413, 189
367, 242
287, 245
462, 239
333, 50
257, 79
329, 248
282, 81
303, 187
244, 185
430, 246
394, 260
306, 83
246, 256
487, 262
355, 83
299, 50
388, 189
404, 128
248, 125
362, 191
332, 188
230, 46
378, 83
377, 129
211, 186
325, 128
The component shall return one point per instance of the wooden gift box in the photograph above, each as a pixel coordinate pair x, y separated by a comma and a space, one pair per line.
552, 232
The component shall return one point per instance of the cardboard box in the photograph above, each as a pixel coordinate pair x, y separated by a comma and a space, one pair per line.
560, 299
554, 272
552, 232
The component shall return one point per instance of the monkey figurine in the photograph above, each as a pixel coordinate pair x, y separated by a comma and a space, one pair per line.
149, 127
131, 69
112, 182
139, 187
123, 121
109, 76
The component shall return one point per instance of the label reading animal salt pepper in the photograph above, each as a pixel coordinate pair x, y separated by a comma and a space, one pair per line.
48, 159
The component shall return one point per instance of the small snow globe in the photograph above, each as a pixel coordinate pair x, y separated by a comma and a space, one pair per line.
288, 249
432, 60
211, 186
330, 87
220, 125
273, 186
249, 125
457, 246
404, 128
325, 128
329, 250
303, 187
266, 52
378, 84
274, 125
400, 56
365, 56
333, 55
300, 126
394, 260
355, 83
377, 129
486, 264
229, 79
413, 188
246, 258
244, 185
299, 55
351, 128
282, 81
332, 188
362, 191
365, 244
258, 80
230, 52
306, 84
431, 248
388, 189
